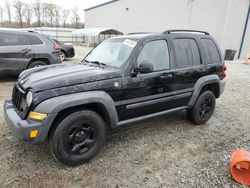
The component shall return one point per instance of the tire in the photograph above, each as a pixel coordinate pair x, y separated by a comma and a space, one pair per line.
36, 64
62, 55
78, 137
203, 108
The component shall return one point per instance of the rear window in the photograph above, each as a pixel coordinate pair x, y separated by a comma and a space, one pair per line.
187, 53
211, 52
9, 39
51, 40
56, 41
34, 40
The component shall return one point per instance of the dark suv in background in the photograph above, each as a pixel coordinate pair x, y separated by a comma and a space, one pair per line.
67, 49
20, 50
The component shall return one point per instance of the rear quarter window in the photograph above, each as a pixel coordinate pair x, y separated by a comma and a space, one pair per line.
33, 40
211, 52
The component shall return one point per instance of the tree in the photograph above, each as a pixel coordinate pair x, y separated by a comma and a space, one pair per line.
58, 10
75, 17
51, 12
1, 14
65, 14
44, 14
20, 10
8, 9
28, 14
37, 6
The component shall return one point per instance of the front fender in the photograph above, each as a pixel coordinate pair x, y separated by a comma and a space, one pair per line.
57, 104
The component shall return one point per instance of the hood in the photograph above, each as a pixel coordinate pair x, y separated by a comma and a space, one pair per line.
56, 76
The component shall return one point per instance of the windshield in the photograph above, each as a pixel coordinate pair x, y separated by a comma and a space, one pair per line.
114, 52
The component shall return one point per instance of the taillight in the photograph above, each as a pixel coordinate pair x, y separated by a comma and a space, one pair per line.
223, 72
57, 47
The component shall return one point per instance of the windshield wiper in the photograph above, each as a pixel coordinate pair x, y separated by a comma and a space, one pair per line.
96, 62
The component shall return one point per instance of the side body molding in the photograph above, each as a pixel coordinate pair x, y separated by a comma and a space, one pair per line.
200, 84
56, 104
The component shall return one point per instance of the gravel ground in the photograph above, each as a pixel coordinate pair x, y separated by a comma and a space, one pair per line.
167, 151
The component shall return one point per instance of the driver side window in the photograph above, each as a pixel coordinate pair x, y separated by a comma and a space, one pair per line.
156, 53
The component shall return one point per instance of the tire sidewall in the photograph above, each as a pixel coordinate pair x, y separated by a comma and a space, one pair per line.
36, 63
57, 142
195, 111
64, 55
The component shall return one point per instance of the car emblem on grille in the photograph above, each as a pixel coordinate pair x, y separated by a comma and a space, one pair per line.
21, 82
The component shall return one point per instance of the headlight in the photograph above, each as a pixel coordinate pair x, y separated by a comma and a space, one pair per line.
29, 98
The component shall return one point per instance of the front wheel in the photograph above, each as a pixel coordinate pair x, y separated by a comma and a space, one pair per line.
78, 137
203, 108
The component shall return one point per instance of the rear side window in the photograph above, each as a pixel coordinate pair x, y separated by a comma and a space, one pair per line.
211, 52
51, 40
187, 53
34, 40
155, 52
9, 39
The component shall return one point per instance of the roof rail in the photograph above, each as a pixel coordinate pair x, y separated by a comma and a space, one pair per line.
134, 33
32, 31
185, 31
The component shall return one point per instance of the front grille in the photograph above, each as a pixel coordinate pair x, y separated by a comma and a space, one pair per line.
17, 98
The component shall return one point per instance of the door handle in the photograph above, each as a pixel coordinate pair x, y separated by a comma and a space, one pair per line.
166, 76
25, 50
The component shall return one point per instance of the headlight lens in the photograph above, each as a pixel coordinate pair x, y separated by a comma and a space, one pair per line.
29, 98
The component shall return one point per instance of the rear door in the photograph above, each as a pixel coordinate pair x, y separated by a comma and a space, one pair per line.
188, 65
14, 53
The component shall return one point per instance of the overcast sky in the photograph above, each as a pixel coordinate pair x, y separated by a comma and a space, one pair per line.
81, 4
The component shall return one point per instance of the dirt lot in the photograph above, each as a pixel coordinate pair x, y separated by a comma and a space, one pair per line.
164, 152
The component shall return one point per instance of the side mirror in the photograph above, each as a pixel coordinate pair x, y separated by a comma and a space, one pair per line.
144, 68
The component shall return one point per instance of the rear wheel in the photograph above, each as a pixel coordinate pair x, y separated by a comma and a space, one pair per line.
78, 137
36, 64
62, 56
203, 108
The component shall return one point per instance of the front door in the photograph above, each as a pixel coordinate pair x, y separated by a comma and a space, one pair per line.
149, 92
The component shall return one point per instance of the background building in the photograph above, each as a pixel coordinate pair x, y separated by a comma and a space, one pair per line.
226, 20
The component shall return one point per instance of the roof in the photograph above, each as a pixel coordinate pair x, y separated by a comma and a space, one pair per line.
100, 5
96, 31
137, 36
17, 31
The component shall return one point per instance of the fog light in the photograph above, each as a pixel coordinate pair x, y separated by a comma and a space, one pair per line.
33, 133
37, 116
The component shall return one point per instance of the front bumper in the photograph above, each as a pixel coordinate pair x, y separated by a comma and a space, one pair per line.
70, 53
21, 128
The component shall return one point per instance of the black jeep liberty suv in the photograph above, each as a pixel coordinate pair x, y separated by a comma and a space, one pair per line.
123, 80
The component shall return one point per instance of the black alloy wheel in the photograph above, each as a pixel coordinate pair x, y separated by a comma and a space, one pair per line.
78, 137
203, 108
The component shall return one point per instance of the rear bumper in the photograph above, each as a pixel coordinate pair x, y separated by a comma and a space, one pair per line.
222, 86
21, 128
70, 53
56, 58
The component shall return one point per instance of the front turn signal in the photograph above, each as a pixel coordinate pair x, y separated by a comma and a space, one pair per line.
37, 116
33, 133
